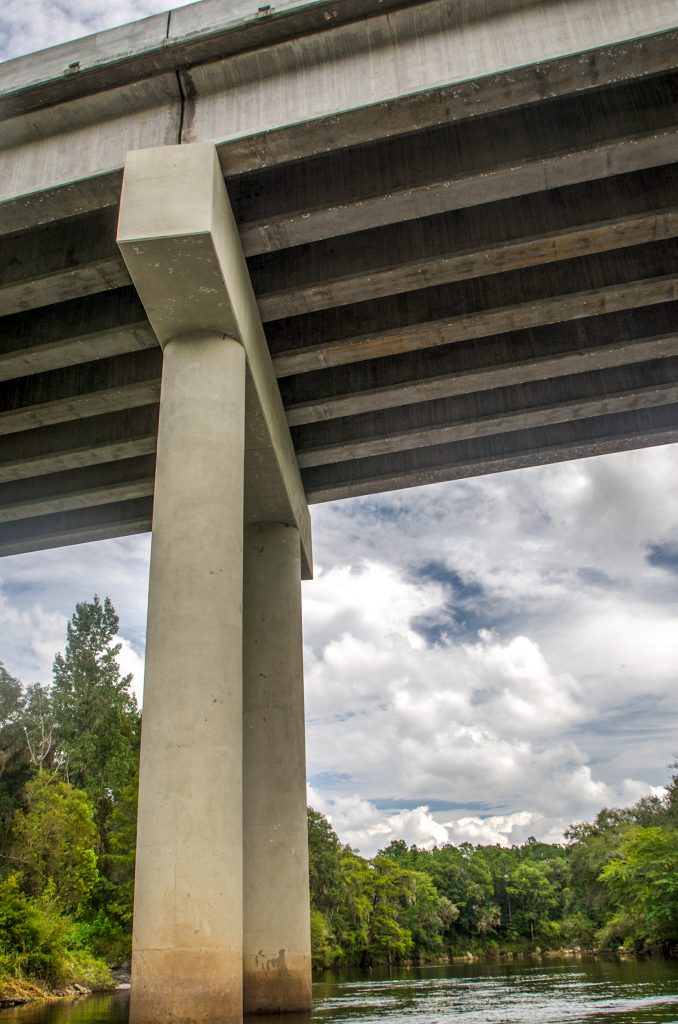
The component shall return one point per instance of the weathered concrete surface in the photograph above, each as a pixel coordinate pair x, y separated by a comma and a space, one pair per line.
222, 430
467, 368
79, 148
460, 227
489, 308
305, 92
73, 333
462, 244
519, 449
277, 940
77, 489
456, 419
187, 946
78, 392
61, 261
181, 246
85, 520
66, 446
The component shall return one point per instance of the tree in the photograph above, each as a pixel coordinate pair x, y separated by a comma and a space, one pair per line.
643, 883
39, 730
591, 846
120, 860
324, 862
425, 914
390, 940
14, 762
96, 715
10, 698
534, 893
54, 842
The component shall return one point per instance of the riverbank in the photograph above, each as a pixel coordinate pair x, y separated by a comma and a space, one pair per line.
15, 991
19, 991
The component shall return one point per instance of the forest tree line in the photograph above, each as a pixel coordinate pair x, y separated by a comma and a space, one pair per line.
69, 755
69, 764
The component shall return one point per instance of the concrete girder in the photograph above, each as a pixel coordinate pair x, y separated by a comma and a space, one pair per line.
495, 454
67, 159
61, 261
470, 97
296, 34
551, 226
414, 337
67, 446
500, 410
69, 333
608, 340
131, 380
102, 522
543, 298
473, 262
77, 392
85, 487
163, 42
463, 165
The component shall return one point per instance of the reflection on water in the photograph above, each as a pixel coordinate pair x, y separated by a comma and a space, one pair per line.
577, 992
104, 1009
547, 993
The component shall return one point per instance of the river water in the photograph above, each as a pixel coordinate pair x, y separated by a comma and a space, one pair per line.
544, 992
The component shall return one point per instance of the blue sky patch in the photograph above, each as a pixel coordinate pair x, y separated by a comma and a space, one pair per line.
663, 556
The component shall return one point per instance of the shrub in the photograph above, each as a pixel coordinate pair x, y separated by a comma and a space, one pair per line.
31, 935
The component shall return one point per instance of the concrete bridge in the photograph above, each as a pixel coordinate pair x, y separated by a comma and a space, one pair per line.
362, 245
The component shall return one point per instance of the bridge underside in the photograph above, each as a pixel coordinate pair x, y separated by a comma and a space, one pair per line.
447, 245
454, 279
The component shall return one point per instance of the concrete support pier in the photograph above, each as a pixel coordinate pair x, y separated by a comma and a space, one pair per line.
187, 961
225, 461
276, 942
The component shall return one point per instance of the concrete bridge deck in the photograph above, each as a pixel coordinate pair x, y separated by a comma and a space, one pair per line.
460, 222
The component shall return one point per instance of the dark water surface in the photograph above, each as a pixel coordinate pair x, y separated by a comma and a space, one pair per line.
574, 991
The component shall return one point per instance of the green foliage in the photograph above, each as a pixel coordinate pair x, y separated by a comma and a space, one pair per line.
39, 943
642, 880
54, 842
60, 912
71, 901
324, 949
534, 894
95, 713
113, 896
31, 935
11, 698
15, 761
578, 931
103, 936
324, 860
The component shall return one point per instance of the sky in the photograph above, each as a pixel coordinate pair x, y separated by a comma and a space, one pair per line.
485, 660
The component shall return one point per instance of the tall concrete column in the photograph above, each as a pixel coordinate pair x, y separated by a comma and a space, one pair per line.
187, 947
221, 420
277, 947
